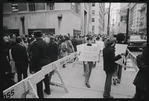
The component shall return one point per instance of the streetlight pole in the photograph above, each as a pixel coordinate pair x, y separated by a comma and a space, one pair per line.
126, 38
108, 29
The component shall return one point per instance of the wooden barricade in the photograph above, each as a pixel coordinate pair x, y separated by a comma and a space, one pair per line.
26, 86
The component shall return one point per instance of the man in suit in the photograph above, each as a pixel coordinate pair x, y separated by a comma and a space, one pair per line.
39, 59
19, 54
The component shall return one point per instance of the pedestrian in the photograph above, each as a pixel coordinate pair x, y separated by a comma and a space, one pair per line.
109, 59
52, 53
63, 50
74, 43
19, 54
141, 78
88, 65
7, 80
39, 59
52, 49
31, 41
69, 45
119, 40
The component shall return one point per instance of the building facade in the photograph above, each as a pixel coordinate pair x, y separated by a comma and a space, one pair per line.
50, 18
106, 20
98, 10
134, 17
143, 19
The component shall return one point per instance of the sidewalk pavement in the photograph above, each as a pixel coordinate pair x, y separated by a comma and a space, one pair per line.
75, 83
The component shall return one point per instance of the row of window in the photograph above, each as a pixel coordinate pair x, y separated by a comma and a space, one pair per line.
13, 7
76, 7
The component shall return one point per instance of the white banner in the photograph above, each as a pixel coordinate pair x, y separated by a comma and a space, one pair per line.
89, 53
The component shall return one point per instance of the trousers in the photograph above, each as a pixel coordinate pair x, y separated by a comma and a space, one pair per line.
21, 70
108, 82
141, 94
88, 69
40, 86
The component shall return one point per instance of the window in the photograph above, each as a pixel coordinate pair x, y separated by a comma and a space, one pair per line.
22, 6
40, 6
14, 6
93, 20
93, 28
93, 4
50, 6
6, 7
31, 6
77, 8
93, 12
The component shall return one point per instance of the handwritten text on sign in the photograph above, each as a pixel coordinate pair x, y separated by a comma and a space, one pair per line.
89, 53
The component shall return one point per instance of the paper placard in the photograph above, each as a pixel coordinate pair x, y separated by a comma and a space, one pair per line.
89, 53
120, 48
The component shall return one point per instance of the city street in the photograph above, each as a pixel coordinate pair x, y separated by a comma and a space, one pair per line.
74, 80
50, 31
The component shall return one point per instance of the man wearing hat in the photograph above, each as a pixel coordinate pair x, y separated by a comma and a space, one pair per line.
39, 59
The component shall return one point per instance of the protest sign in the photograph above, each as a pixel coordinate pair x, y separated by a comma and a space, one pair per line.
120, 61
89, 53
120, 48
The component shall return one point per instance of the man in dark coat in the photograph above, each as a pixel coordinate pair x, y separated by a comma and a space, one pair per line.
19, 54
7, 77
109, 65
52, 49
52, 53
74, 43
39, 59
140, 80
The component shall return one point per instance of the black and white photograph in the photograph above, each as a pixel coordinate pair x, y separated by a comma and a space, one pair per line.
75, 50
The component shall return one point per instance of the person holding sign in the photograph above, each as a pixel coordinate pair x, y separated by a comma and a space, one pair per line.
88, 65
109, 59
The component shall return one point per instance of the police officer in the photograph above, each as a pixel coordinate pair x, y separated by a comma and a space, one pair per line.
39, 59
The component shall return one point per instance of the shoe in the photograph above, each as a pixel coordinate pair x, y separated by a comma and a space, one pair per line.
88, 85
47, 92
64, 66
108, 97
118, 82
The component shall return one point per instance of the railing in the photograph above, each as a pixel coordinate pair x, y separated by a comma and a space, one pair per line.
133, 58
26, 86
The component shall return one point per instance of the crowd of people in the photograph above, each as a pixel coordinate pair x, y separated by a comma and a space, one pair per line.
34, 51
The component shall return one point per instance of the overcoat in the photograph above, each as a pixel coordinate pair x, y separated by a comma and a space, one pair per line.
39, 54
141, 78
53, 51
109, 59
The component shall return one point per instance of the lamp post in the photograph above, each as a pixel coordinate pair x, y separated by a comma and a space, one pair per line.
108, 29
126, 38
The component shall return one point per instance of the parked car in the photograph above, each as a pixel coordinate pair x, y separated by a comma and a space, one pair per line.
135, 41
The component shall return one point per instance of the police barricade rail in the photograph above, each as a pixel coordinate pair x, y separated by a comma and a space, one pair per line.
133, 58
26, 86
